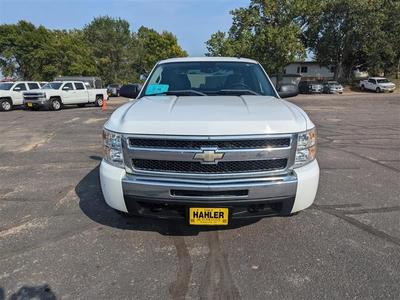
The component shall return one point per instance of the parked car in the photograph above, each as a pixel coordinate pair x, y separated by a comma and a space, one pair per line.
11, 93
113, 90
332, 87
310, 87
54, 95
209, 140
377, 84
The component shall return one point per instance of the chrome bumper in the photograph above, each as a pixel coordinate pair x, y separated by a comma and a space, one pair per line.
37, 102
243, 196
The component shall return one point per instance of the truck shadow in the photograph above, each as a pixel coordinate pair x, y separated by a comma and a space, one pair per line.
93, 205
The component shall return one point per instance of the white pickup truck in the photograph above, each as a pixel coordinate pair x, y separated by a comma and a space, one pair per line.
11, 93
209, 140
377, 84
54, 95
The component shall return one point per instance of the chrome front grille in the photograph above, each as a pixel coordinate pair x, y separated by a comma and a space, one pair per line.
222, 167
220, 144
239, 156
33, 96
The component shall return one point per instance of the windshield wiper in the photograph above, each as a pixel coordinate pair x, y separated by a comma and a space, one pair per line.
180, 93
237, 92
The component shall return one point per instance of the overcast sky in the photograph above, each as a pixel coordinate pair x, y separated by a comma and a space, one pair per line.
192, 21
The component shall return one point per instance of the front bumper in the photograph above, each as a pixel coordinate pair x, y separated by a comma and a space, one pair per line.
387, 89
246, 198
37, 103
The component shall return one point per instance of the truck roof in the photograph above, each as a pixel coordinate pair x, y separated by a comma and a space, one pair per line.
376, 78
19, 81
208, 58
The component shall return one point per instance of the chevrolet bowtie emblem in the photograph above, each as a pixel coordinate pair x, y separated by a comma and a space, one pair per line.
209, 156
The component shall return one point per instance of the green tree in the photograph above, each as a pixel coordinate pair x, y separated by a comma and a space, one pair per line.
350, 33
23, 49
36, 53
110, 40
72, 54
106, 47
269, 31
151, 46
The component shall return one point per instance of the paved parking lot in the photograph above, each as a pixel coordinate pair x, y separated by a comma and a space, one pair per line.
58, 239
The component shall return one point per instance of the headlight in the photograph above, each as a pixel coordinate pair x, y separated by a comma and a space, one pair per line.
113, 148
306, 147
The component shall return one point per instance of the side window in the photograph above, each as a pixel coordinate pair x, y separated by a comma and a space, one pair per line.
68, 86
298, 70
79, 86
20, 87
33, 86
304, 69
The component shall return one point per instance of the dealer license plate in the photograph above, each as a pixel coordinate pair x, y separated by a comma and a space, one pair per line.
208, 216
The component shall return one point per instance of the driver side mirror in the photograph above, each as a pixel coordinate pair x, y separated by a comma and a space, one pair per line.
66, 88
17, 89
288, 90
130, 90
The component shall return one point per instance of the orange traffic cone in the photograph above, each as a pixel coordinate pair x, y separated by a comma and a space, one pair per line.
104, 105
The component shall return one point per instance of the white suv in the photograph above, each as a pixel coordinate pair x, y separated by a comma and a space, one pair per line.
11, 93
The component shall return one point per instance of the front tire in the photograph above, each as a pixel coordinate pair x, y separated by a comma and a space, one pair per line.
5, 105
363, 88
99, 101
55, 104
378, 90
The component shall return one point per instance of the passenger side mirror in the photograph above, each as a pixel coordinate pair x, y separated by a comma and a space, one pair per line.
66, 88
143, 77
17, 89
288, 90
130, 90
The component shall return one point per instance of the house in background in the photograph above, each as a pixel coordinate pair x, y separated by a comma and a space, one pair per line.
310, 70
293, 79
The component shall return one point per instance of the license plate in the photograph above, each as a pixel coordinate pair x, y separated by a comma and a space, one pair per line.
29, 104
208, 216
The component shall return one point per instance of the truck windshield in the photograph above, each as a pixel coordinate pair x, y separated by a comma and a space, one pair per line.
52, 86
383, 81
5, 86
208, 78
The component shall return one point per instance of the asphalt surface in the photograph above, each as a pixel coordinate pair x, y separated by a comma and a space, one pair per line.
58, 238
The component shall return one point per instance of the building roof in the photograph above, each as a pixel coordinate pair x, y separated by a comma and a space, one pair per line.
208, 58
304, 63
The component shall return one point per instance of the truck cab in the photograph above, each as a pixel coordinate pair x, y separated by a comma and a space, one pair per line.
11, 93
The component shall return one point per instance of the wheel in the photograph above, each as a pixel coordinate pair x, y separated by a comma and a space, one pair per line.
378, 90
81, 104
5, 105
99, 101
55, 104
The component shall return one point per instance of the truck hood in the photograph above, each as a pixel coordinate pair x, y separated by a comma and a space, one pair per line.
208, 115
